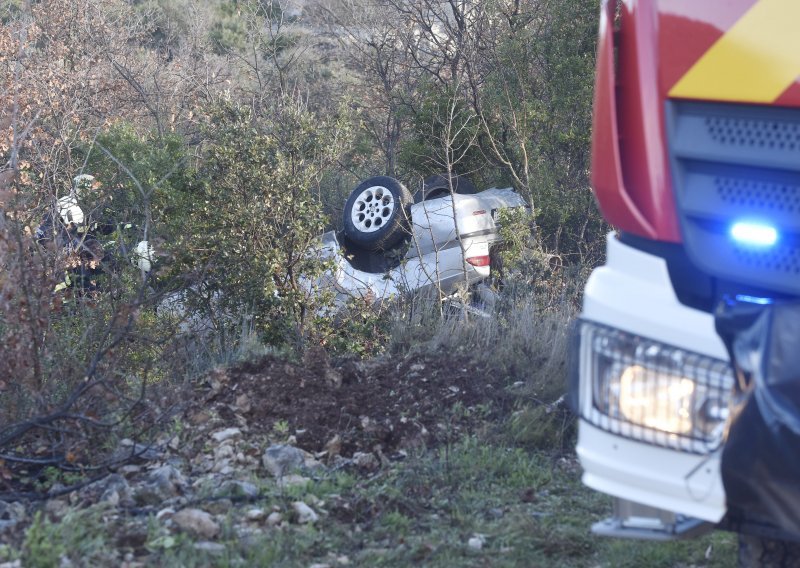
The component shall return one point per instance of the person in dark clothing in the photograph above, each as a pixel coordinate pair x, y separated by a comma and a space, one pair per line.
65, 225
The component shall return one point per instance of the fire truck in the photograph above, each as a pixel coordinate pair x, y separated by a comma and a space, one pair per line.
686, 357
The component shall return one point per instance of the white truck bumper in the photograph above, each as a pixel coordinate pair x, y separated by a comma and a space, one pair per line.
633, 292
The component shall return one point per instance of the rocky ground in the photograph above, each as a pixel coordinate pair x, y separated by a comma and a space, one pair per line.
253, 434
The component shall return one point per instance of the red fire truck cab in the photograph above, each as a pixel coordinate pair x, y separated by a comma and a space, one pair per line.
683, 354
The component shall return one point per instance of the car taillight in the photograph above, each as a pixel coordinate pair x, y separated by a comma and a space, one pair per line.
479, 260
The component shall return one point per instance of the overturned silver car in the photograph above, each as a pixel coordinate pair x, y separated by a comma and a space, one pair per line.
393, 243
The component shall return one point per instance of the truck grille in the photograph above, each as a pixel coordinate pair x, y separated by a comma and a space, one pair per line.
732, 162
753, 132
760, 196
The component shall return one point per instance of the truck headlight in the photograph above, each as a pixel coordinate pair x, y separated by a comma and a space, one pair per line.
664, 406
643, 389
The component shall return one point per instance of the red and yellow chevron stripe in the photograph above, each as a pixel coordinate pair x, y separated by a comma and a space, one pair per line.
756, 60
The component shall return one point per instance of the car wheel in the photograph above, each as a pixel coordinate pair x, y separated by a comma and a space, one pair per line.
755, 551
375, 213
439, 185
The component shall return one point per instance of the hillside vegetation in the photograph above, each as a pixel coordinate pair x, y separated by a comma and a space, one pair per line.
227, 134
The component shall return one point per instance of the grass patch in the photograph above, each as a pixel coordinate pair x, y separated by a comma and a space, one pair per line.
528, 509
525, 342
80, 538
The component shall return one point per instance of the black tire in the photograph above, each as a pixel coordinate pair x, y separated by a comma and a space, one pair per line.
375, 213
439, 185
758, 552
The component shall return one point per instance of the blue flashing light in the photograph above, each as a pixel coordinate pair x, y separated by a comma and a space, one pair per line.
754, 234
753, 299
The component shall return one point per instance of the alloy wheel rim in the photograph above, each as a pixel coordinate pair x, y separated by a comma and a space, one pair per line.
373, 208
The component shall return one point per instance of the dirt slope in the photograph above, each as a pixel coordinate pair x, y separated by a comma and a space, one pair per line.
382, 404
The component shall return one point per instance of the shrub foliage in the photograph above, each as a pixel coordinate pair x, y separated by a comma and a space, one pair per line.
223, 133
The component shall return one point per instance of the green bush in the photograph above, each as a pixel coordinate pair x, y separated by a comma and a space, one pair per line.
78, 538
258, 213
228, 31
442, 133
78, 359
554, 95
140, 175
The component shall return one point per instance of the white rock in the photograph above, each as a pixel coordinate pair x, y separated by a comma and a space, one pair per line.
476, 542
56, 508
220, 465
204, 464
165, 513
111, 497
365, 461
223, 452
226, 434
196, 521
243, 403
255, 515
305, 514
168, 478
274, 518
312, 463
113, 488
210, 547
236, 488
281, 459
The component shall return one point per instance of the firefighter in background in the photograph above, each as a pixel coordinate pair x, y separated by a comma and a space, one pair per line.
66, 226
61, 223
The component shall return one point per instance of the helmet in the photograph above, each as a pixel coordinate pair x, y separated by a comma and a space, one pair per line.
143, 256
82, 183
69, 210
